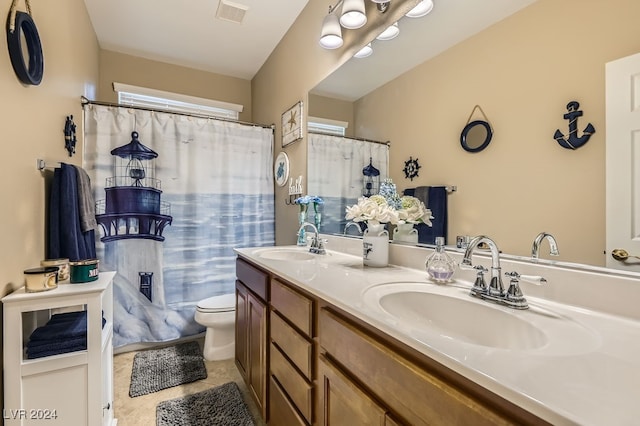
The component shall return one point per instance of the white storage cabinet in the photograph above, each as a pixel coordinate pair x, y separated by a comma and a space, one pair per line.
71, 389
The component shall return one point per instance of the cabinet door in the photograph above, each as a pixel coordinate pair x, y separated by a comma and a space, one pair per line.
257, 349
242, 355
343, 402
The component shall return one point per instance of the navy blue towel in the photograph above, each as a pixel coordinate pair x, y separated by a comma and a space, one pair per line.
65, 236
62, 330
56, 348
436, 201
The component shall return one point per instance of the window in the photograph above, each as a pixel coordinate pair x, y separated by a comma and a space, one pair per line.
326, 126
167, 101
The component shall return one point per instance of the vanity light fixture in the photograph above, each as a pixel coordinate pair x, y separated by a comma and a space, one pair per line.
353, 14
390, 33
331, 35
364, 52
421, 9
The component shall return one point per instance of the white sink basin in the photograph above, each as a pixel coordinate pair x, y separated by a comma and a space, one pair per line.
288, 254
445, 313
463, 320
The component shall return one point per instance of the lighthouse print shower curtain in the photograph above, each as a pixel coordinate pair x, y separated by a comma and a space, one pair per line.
174, 195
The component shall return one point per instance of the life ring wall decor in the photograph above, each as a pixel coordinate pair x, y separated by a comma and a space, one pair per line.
28, 71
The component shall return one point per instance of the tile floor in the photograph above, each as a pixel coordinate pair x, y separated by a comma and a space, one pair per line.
141, 410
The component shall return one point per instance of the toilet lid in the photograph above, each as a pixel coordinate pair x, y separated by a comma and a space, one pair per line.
222, 303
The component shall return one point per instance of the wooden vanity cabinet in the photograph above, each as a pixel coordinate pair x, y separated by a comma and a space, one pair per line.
292, 358
307, 362
252, 330
368, 369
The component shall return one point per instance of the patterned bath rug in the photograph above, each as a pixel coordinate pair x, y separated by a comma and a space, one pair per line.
219, 406
157, 369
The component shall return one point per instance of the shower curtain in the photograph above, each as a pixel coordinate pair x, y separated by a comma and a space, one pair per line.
335, 173
172, 201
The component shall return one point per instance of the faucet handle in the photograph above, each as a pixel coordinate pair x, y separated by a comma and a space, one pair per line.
533, 279
514, 297
479, 286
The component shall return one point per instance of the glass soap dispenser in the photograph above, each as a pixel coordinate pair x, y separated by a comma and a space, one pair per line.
440, 266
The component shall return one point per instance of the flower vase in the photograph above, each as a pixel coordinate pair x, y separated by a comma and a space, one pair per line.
405, 233
317, 217
302, 218
375, 246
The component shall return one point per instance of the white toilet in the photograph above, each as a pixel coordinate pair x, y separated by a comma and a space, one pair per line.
218, 314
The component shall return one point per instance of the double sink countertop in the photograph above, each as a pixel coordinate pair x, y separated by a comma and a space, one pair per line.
566, 364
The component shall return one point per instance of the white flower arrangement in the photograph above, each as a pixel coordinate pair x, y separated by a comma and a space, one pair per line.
414, 211
389, 207
373, 210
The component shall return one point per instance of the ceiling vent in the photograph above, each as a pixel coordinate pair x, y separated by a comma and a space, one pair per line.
232, 12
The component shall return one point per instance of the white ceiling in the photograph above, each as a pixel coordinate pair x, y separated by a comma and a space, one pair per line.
187, 33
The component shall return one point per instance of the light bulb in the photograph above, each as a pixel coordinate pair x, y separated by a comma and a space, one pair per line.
331, 36
353, 14
421, 9
364, 52
391, 32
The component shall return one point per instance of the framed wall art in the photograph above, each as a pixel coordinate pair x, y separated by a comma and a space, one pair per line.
292, 124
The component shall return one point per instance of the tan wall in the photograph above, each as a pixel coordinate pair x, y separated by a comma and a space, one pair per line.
295, 67
522, 72
33, 120
126, 69
333, 109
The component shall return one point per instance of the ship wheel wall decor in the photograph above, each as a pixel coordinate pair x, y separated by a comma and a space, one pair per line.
411, 168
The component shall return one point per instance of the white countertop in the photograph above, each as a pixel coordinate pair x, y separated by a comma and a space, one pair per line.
590, 375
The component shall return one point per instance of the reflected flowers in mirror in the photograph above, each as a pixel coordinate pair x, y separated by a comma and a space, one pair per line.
373, 210
412, 210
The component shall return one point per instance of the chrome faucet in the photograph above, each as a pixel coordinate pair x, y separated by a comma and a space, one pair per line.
553, 245
495, 291
317, 245
513, 297
350, 224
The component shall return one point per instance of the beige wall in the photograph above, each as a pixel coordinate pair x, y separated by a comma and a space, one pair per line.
295, 67
522, 72
33, 120
126, 69
332, 109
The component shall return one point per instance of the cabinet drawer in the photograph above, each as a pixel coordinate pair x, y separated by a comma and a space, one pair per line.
406, 388
281, 412
293, 306
252, 277
293, 384
293, 344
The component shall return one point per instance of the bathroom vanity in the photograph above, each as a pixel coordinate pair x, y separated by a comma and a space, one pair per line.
344, 343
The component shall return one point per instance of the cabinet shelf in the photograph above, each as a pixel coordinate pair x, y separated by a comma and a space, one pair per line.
83, 379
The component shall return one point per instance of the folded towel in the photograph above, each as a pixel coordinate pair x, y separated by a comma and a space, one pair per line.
55, 350
61, 330
39, 345
67, 317
86, 203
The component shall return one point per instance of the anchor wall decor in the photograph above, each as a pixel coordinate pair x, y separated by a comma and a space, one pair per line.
573, 141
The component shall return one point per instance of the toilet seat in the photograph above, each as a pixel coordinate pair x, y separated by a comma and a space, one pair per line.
222, 303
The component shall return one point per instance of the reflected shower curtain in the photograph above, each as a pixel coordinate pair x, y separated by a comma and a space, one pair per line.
335, 173
171, 205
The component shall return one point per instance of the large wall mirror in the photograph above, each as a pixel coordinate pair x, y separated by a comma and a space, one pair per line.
523, 183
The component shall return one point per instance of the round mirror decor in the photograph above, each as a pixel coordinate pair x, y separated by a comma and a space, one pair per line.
29, 65
477, 134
